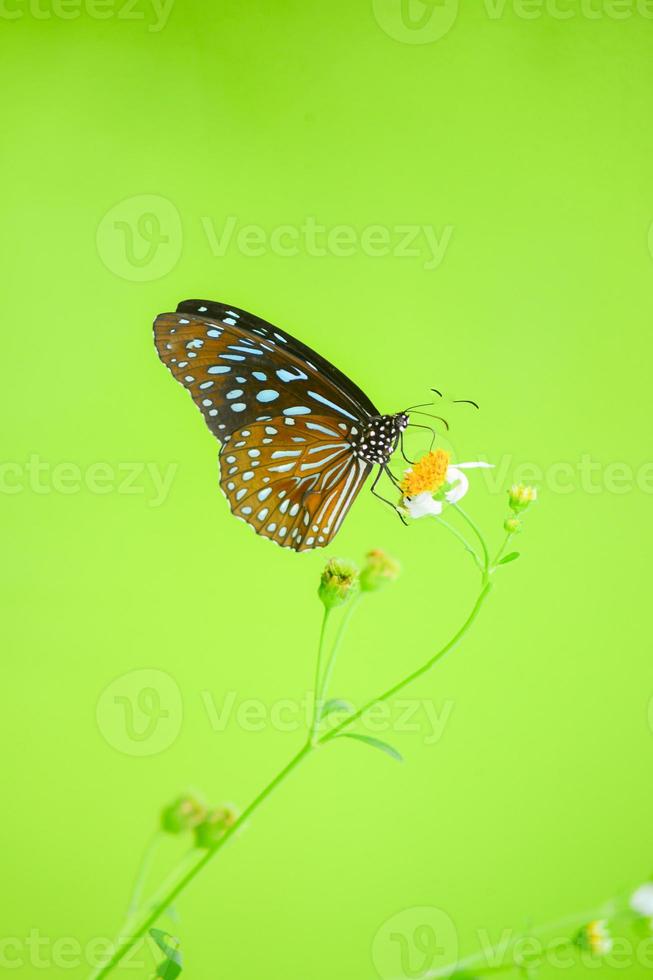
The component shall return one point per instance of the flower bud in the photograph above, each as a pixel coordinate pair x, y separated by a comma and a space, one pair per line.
214, 826
520, 496
378, 569
595, 937
184, 814
512, 525
339, 582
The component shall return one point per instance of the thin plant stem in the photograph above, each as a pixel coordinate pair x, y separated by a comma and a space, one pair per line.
169, 892
476, 960
331, 662
502, 548
477, 532
161, 903
143, 871
463, 540
386, 695
318, 668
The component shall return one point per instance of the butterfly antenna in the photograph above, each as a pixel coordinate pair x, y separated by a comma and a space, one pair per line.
456, 401
421, 405
427, 428
438, 417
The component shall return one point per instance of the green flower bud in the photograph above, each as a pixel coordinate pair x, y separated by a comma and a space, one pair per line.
512, 525
214, 826
595, 937
519, 497
184, 814
378, 569
339, 582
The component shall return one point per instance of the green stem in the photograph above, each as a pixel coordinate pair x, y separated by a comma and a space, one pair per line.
502, 548
455, 639
342, 629
162, 902
318, 666
463, 540
169, 892
484, 547
476, 960
143, 871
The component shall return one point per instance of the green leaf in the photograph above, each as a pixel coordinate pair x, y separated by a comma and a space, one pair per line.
513, 556
171, 966
376, 743
336, 704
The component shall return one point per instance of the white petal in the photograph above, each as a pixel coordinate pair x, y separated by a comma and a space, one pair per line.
642, 900
457, 477
475, 466
422, 505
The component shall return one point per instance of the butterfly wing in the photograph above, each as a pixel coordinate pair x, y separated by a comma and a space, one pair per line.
292, 479
284, 414
238, 374
349, 392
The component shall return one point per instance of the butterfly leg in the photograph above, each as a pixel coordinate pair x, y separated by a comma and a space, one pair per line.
385, 499
401, 443
386, 469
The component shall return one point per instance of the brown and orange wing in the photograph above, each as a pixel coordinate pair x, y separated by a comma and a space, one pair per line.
237, 374
292, 479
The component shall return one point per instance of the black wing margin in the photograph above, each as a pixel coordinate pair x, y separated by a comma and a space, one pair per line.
248, 321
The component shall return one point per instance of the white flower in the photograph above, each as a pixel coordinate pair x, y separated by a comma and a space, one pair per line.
423, 504
641, 901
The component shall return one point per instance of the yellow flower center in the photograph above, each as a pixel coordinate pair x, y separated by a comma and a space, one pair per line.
427, 475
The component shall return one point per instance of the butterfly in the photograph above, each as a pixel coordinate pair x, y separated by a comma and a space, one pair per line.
299, 438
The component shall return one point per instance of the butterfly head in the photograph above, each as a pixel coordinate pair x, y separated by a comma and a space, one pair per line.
378, 440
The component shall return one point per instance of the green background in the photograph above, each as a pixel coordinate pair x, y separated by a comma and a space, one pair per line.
529, 138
